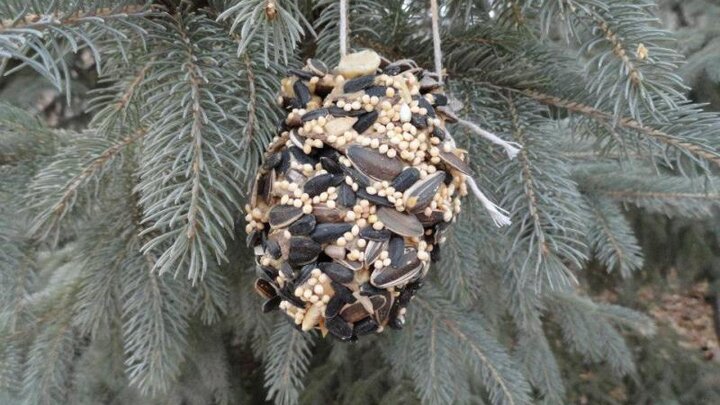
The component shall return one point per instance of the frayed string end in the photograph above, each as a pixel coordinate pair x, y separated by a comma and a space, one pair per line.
499, 216
511, 148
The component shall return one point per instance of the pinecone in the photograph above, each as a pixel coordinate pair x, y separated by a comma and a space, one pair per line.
351, 203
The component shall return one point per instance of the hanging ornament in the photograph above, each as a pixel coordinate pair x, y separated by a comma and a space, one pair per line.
350, 206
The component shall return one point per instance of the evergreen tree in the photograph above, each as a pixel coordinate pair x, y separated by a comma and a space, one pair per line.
125, 277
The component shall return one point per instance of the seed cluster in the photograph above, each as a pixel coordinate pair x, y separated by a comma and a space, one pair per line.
356, 191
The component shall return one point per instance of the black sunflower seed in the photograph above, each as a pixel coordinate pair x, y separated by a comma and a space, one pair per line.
318, 184
358, 83
405, 179
273, 248
324, 233
423, 103
346, 196
377, 91
371, 233
343, 292
303, 226
365, 121
396, 249
419, 121
439, 133
374, 198
301, 74
337, 272
314, 114
272, 304
339, 328
272, 161
365, 326
333, 306
439, 99
302, 250
301, 93
331, 165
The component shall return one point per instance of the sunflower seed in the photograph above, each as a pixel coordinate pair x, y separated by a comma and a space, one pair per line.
370, 233
272, 161
304, 274
336, 272
399, 223
346, 196
265, 288
317, 67
284, 162
373, 250
324, 214
333, 306
440, 99
303, 250
448, 113
338, 328
266, 273
365, 121
377, 91
303, 226
300, 156
301, 93
253, 238
272, 304
351, 264
435, 217
428, 84
272, 248
392, 276
423, 103
344, 292
287, 271
361, 179
374, 198
421, 194
287, 294
374, 164
331, 165
358, 83
314, 114
365, 326
318, 184
281, 216
354, 312
419, 121
455, 162
396, 249
405, 179
324, 233
369, 290
435, 253
301, 74
439, 133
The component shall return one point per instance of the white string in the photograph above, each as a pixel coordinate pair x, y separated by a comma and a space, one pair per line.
499, 216
343, 27
511, 148
437, 51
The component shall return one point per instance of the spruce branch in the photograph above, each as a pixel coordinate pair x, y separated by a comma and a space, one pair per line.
287, 357
611, 238
41, 41
697, 150
55, 199
461, 337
